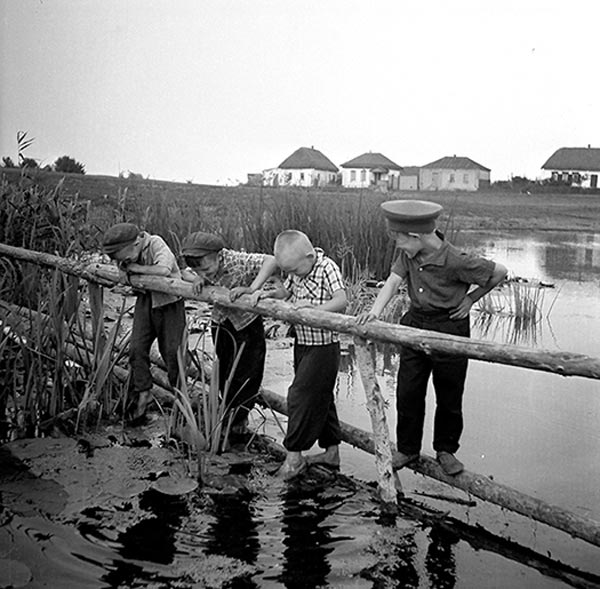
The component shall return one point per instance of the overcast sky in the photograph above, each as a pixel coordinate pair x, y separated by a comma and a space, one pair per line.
209, 90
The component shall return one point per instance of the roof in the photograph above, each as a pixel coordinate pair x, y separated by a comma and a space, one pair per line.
574, 158
308, 157
456, 163
410, 171
371, 160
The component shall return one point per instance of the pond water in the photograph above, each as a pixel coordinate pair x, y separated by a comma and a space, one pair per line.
533, 431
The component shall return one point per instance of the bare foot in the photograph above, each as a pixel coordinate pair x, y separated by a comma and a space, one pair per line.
330, 457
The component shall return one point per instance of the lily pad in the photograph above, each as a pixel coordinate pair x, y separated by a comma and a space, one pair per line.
13, 573
175, 486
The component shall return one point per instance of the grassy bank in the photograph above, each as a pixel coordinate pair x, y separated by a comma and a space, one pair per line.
346, 223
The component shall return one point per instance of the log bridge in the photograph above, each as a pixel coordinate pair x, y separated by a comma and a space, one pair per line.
377, 443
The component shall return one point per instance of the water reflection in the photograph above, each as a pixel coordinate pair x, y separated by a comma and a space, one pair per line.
550, 255
307, 539
440, 562
233, 533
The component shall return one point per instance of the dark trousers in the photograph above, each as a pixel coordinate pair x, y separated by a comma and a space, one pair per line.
165, 324
449, 374
247, 378
312, 416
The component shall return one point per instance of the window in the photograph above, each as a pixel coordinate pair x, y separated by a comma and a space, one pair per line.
302, 176
451, 178
465, 178
352, 175
363, 175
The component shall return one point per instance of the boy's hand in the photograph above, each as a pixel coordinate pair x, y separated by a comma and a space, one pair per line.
134, 268
463, 309
124, 276
198, 284
365, 317
238, 291
302, 304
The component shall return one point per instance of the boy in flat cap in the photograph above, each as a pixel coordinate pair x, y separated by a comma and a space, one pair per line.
210, 262
157, 316
439, 279
313, 281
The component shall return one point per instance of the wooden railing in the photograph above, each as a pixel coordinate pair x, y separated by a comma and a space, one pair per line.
561, 363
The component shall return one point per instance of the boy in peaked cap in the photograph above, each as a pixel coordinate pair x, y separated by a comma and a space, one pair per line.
209, 261
440, 279
157, 316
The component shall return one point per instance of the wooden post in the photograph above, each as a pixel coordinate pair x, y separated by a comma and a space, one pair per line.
387, 478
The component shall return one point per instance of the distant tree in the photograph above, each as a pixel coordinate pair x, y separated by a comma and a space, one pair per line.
28, 162
7, 162
68, 165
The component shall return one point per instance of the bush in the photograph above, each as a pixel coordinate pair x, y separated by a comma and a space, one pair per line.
68, 165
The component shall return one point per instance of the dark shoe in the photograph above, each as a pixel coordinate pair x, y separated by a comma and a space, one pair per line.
449, 463
288, 472
400, 460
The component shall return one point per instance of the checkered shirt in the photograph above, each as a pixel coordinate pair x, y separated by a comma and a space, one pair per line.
235, 269
317, 287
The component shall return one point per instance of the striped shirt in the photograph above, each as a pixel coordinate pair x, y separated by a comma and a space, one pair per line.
235, 269
317, 286
155, 252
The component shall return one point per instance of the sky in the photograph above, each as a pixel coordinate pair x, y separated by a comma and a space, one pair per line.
207, 91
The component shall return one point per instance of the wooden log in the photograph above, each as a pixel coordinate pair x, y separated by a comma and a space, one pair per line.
387, 480
71, 267
475, 484
563, 363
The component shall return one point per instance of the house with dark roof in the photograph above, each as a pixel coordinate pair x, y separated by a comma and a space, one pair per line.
371, 169
453, 173
575, 166
307, 166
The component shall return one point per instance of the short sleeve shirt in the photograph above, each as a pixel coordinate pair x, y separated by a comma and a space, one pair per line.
236, 269
155, 251
442, 281
318, 286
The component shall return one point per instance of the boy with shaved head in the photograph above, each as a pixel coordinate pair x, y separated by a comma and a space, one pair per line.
313, 281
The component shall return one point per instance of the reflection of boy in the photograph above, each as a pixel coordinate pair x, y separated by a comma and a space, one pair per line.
314, 281
157, 316
439, 278
210, 262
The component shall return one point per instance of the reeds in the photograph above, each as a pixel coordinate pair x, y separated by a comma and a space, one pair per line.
514, 312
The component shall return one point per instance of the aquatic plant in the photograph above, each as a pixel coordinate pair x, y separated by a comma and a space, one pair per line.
514, 311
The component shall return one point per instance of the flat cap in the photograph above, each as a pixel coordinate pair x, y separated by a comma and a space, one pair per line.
119, 236
411, 216
199, 244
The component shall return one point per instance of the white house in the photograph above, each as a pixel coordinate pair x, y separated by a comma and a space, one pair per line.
305, 167
371, 169
409, 178
453, 173
575, 166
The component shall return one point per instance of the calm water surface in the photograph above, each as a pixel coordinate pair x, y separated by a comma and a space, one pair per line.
535, 431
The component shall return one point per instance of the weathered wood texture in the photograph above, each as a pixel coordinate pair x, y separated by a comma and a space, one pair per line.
386, 477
